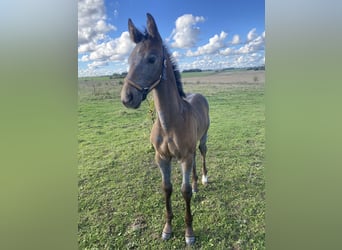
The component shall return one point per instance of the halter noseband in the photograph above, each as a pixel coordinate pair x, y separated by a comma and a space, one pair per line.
146, 90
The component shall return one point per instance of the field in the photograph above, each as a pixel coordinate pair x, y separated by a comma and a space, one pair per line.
121, 204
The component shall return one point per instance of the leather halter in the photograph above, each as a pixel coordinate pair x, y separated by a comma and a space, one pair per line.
146, 90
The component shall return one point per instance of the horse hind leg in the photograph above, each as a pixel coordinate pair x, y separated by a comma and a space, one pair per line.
203, 149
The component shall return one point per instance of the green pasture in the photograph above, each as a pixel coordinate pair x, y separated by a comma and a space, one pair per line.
121, 204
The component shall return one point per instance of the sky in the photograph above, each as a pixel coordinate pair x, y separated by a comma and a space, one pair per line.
198, 33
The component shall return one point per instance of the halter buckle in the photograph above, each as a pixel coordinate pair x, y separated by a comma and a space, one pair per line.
144, 92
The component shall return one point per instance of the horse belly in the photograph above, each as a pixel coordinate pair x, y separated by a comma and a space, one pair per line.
200, 111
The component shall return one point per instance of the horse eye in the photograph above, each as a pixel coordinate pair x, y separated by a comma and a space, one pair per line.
151, 59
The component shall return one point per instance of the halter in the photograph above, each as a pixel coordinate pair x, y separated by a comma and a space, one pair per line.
146, 90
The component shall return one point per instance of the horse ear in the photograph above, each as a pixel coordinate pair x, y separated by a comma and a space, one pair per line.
135, 35
152, 27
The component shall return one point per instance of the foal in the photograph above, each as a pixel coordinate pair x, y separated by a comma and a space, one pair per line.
182, 119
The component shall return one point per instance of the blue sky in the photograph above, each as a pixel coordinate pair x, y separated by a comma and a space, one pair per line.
199, 34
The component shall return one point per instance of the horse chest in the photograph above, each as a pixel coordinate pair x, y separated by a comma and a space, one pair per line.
173, 148
174, 137
168, 146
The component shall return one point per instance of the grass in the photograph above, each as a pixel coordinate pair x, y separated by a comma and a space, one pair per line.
121, 204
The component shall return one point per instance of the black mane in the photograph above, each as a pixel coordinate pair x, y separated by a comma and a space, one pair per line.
177, 74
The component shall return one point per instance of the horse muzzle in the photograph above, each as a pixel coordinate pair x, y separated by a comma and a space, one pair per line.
130, 97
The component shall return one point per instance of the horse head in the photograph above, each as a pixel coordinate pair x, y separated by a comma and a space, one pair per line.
146, 64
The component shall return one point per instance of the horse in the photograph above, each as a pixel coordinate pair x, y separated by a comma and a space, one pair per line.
182, 119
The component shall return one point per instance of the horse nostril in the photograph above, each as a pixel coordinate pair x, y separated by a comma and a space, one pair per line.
128, 98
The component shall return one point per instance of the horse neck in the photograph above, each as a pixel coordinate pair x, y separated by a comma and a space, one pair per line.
167, 100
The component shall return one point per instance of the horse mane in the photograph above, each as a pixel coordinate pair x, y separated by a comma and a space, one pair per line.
176, 74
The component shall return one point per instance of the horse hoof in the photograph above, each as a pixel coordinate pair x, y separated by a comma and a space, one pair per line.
190, 240
204, 180
166, 236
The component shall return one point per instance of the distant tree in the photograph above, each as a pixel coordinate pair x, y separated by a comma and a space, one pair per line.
262, 67
117, 75
192, 70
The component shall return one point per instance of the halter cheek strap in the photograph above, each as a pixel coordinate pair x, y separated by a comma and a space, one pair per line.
144, 90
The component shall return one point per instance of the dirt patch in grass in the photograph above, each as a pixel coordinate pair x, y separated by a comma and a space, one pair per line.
138, 224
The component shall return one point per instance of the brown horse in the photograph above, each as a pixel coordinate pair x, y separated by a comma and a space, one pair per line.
182, 119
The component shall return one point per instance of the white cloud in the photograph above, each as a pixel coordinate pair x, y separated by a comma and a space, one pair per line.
248, 60
219, 54
220, 61
251, 46
97, 64
87, 47
84, 58
207, 62
113, 50
236, 39
94, 71
92, 25
176, 54
94, 45
215, 44
226, 51
185, 34
251, 34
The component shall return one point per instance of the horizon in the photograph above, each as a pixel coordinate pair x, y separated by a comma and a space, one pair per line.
255, 68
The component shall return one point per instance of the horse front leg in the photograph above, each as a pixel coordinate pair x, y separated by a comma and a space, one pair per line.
165, 169
186, 189
194, 176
